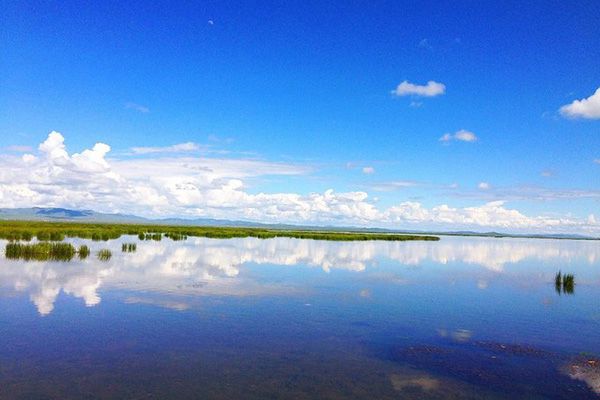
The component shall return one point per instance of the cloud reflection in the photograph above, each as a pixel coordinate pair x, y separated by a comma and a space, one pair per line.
202, 266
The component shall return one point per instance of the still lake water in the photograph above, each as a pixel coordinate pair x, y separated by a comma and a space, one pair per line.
301, 319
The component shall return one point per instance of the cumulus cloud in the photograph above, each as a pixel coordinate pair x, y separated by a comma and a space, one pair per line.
483, 185
431, 89
368, 170
218, 188
176, 148
462, 135
588, 108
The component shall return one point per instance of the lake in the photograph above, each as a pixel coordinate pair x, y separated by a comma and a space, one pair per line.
251, 318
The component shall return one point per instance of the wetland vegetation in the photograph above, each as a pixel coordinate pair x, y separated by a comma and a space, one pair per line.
564, 283
43, 251
128, 247
104, 255
57, 231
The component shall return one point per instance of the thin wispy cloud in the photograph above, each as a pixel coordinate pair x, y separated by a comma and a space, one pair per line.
547, 173
527, 193
176, 148
19, 148
137, 107
368, 170
391, 186
597, 160
483, 186
425, 44
431, 89
588, 108
462, 135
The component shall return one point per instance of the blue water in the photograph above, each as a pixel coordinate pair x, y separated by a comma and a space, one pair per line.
287, 318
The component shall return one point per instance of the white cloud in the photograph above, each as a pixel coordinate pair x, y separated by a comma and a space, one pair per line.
19, 148
588, 108
392, 185
431, 89
176, 148
462, 135
483, 185
217, 188
368, 170
137, 107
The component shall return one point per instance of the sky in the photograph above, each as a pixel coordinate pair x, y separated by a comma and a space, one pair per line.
407, 115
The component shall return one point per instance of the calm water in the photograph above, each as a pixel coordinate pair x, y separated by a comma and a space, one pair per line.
301, 319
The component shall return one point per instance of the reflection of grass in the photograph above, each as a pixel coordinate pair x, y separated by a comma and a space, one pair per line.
56, 231
128, 247
104, 255
40, 251
564, 283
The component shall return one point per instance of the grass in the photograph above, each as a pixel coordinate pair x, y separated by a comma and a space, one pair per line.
564, 283
128, 247
176, 236
55, 231
42, 251
83, 252
104, 255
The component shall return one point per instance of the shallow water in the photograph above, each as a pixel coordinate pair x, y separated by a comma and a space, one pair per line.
288, 318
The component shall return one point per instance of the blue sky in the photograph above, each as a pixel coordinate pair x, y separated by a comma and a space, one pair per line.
309, 86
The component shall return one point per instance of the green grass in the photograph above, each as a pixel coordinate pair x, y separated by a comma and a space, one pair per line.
104, 255
564, 283
128, 247
83, 252
42, 251
50, 231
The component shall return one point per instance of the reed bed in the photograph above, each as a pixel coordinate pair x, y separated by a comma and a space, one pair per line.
104, 255
42, 251
83, 252
57, 231
564, 283
128, 247
176, 236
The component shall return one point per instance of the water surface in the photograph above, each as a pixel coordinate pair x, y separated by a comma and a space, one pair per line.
289, 318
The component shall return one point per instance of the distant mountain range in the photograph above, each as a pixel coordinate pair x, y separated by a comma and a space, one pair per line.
64, 214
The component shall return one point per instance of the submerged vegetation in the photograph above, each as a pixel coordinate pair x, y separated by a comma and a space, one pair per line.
42, 251
128, 247
104, 255
564, 283
57, 231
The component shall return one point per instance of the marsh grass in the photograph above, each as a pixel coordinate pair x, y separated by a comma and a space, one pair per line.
57, 231
104, 255
42, 251
564, 283
176, 236
83, 252
128, 247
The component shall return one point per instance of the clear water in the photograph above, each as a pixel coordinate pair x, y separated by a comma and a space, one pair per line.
303, 319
